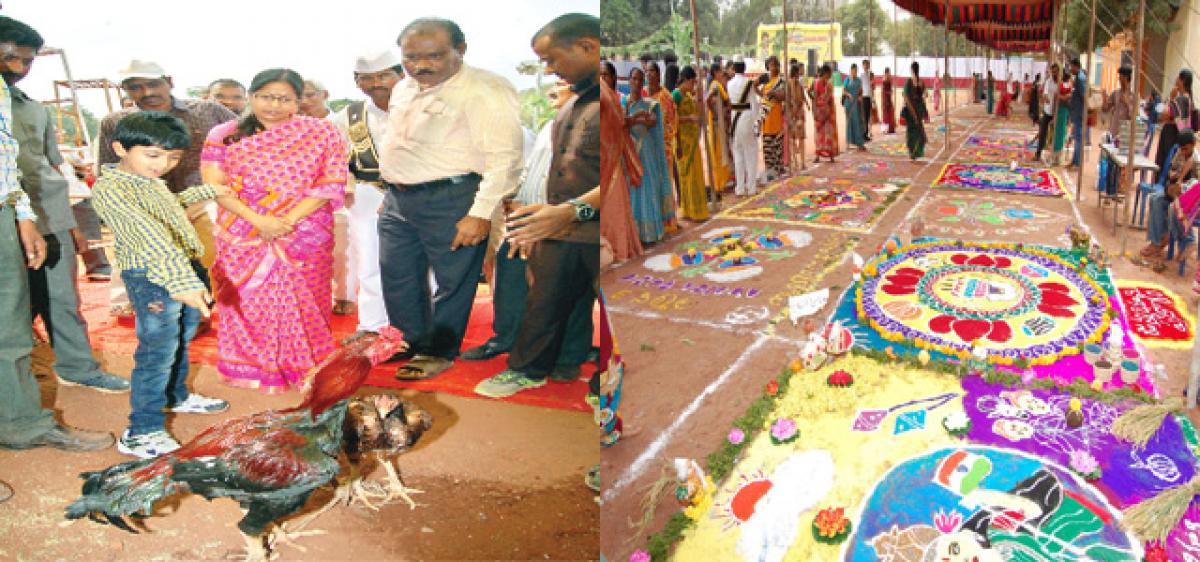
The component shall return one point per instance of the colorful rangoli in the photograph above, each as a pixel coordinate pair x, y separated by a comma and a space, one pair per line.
982, 503
727, 255
818, 201
990, 177
993, 216
1012, 303
1008, 488
1157, 316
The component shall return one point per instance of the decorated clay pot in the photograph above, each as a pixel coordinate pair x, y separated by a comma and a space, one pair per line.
1130, 371
1105, 370
1092, 352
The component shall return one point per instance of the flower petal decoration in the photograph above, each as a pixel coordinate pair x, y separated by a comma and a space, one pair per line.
1001, 331
941, 323
969, 329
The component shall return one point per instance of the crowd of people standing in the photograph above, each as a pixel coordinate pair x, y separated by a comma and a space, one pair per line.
665, 171
429, 176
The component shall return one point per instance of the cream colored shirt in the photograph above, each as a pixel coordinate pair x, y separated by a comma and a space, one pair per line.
469, 123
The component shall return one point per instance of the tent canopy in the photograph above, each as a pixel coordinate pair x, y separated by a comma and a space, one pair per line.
1011, 26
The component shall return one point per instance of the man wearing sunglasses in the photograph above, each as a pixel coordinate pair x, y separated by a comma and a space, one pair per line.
149, 86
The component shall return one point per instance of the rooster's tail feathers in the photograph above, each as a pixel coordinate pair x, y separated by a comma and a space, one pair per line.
124, 489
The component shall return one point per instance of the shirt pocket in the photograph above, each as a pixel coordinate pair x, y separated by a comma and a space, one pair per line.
432, 124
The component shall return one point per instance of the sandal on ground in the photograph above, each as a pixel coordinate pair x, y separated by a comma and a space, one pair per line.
423, 367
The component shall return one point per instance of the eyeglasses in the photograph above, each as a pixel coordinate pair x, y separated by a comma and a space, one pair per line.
279, 100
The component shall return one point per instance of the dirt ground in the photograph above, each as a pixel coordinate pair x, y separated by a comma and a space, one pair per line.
501, 481
687, 381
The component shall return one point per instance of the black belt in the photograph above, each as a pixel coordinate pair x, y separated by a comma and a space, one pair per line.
444, 182
739, 106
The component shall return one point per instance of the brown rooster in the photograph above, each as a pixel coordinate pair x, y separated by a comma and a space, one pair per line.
270, 462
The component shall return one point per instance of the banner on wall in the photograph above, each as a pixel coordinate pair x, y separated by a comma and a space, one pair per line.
802, 38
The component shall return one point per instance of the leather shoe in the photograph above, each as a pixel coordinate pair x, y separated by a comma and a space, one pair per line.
481, 353
70, 439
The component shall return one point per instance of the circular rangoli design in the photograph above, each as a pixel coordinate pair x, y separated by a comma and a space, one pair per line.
1013, 303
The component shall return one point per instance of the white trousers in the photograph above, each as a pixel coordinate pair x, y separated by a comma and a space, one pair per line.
363, 258
745, 155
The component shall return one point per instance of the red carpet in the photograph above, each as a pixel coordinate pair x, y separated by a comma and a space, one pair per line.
109, 335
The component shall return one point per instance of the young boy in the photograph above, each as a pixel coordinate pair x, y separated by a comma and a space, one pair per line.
158, 252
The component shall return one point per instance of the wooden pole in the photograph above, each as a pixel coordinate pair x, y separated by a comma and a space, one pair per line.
700, 95
1053, 58
785, 67
1137, 73
832, 18
946, 72
1087, 94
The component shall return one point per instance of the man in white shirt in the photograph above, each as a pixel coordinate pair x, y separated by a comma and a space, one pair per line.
1048, 94
452, 151
745, 107
364, 124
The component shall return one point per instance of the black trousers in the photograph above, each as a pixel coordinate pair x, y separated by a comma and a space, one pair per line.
866, 115
415, 232
562, 274
1043, 130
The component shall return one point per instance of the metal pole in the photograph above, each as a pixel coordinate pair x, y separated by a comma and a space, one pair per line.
946, 72
1137, 70
1087, 94
83, 132
712, 173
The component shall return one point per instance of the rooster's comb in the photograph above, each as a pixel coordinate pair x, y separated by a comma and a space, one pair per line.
385, 345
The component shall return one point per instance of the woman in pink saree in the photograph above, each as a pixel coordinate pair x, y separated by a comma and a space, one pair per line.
272, 276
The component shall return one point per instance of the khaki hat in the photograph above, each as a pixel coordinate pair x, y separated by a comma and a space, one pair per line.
140, 69
376, 62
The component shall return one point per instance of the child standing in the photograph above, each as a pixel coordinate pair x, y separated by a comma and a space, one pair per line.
158, 252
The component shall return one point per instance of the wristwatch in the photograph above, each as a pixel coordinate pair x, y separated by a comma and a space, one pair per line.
583, 211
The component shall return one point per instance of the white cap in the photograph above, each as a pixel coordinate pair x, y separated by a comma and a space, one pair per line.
140, 69
376, 62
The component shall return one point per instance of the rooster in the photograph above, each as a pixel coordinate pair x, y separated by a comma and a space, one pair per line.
270, 462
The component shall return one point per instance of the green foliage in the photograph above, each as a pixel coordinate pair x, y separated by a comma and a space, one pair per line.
917, 35
661, 542
1114, 16
535, 108
197, 92
91, 124
855, 17
337, 105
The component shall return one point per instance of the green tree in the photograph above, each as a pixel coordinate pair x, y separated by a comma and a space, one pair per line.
854, 17
337, 104
619, 23
197, 92
1115, 16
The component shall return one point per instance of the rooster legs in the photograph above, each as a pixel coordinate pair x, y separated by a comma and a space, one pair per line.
281, 534
394, 488
348, 492
256, 550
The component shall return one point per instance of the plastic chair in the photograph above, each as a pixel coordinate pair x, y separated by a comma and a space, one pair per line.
1141, 199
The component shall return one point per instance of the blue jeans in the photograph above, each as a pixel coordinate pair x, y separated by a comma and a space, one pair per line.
1162, 222
165, 327
416, 229
1077, 135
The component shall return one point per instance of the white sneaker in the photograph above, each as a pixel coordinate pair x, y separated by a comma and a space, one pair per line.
200, 404
147, 445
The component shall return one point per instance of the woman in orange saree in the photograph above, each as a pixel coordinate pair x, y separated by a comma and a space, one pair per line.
619, 168
274, 242
825, 116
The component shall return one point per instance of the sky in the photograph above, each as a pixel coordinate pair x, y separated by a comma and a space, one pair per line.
197, 42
